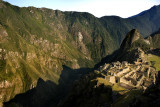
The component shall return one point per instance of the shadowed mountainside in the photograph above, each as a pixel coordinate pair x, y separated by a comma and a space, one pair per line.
47, 93
36, 43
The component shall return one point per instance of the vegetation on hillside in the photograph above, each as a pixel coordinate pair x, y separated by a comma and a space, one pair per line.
38, 42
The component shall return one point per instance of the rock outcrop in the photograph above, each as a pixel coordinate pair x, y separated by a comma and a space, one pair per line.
133, 40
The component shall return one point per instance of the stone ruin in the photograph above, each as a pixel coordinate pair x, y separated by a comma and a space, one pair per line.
138, 75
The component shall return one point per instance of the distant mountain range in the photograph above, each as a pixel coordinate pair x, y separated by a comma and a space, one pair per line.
49, 45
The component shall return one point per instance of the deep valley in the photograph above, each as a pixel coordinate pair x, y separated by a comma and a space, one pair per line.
68, 59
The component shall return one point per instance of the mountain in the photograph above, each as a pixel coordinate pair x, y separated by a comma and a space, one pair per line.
128, 48
154, 38
43, 47
121, 83
134, 38
146, 22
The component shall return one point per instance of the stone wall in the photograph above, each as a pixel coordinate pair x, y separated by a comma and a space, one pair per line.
134, 75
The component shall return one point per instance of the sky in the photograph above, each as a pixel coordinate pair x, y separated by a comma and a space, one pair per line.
99, 8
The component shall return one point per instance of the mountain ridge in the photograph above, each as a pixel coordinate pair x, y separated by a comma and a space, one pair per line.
36, 43
143, 12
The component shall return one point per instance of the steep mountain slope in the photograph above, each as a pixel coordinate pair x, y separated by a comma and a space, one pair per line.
36, 43
32, 48
129, 46
154, 39
121, 83
146, 22
128, 50
134, 39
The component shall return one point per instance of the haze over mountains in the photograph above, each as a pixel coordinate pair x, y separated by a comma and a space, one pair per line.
45, 51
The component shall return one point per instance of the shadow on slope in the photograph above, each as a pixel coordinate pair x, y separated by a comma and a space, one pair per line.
155, 52
47, 93
108, 59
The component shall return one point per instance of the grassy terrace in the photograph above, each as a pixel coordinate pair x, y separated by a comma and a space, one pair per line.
155, 59
115, 87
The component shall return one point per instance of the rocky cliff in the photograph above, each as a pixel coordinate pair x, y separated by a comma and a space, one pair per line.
37, 43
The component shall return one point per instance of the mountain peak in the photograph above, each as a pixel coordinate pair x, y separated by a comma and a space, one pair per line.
130, 38
134, 35
134, 40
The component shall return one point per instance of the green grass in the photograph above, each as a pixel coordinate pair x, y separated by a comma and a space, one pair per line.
115, 87
104, 81
154, 58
